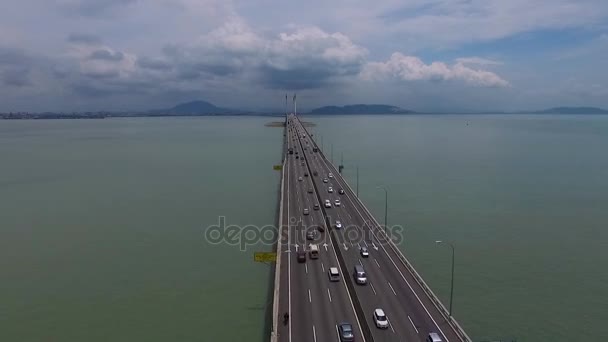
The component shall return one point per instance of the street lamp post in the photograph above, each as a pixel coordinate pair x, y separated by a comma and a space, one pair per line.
357, 180
385, 206
452, 282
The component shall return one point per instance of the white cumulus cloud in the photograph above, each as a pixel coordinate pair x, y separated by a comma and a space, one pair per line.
411, 68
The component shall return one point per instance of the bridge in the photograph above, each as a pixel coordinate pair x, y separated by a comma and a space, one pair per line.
323, 226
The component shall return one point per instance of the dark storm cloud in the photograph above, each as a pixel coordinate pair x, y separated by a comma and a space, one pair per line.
297, 78
10, 56
107, 55
17, 77
153, 64
83, 38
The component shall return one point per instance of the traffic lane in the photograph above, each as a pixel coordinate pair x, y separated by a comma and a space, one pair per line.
395, 302
346, 312
372, 297
396, 282
323, 313
425, 309
298, 305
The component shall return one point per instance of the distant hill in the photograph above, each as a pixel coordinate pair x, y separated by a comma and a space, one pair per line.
361, 109
194, 108
572, 110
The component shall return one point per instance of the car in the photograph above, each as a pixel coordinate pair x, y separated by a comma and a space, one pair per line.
297, 157
330, 189
316, 206
315, 173
341, 192
338, 224
325, 180
301, 256
331, 175
359, 275
311, 234
433, 337
346, 332
299, 179
303, 163
327, 204
334, 274
337, 203
305, 174
310, 190
321, 229
364, 252
306, 211
380, 319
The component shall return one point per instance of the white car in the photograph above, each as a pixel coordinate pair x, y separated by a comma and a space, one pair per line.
325, 180
337, 203
364, 252
330, 189
327, 204
331, 175
338, 224
299, 179
380, 319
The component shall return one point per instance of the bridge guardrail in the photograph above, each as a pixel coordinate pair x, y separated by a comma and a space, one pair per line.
277, 265
423, 285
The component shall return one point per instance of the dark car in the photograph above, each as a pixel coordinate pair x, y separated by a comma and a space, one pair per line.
316, 206
346, 332
301, 256
315, 173
310, 190
341, 192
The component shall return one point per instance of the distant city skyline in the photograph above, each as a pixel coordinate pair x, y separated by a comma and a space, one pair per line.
443, 55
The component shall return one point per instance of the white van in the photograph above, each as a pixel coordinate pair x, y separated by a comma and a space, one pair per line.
334, 275
314, 251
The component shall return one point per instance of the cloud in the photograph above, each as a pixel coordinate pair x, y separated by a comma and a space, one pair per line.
92, 8
477, 61
410, 68
449, 23
82, 38
302, 59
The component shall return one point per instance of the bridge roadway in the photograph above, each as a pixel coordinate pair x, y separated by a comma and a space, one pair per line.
316, 305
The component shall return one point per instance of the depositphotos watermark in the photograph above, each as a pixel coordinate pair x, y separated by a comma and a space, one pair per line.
301, 234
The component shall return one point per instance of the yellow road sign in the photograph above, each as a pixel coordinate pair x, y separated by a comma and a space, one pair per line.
265, 257
278, 167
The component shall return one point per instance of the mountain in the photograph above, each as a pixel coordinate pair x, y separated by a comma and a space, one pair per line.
572, 110
194, 108
361, 109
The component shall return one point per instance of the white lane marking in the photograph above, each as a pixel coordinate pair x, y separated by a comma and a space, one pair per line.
391, 286
350, 299
373, 289
323, 267
306, 267
314, 333
360, 262
414, 325
365, 243
390, 324
338, 333
329, 294
376, 260
309, 297
289, 255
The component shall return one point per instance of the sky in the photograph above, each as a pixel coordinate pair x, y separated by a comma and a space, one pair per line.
436, 55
